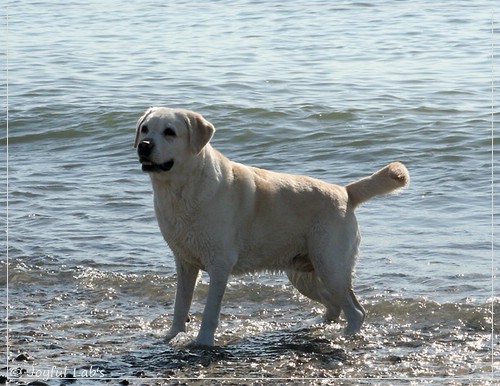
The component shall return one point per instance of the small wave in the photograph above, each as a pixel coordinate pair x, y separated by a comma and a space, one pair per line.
50, 134
343, 116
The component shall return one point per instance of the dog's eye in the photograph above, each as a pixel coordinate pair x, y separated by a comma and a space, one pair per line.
144, 129
168, 132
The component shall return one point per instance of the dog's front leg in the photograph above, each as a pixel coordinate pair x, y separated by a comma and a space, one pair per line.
218, 280
187, 275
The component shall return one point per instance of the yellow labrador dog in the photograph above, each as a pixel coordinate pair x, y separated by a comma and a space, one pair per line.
226, 218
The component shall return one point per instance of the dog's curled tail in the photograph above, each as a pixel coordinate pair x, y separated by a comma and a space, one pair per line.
391, 178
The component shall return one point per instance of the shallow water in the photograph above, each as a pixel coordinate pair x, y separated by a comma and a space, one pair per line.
334, 90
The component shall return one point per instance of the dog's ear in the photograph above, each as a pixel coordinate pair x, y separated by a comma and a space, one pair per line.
139, 124
200, 131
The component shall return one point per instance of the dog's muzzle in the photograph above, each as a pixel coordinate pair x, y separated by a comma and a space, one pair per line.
144, 151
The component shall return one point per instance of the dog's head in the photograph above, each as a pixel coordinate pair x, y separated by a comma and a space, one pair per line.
167, 137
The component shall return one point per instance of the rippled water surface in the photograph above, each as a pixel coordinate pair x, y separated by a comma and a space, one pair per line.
334, 90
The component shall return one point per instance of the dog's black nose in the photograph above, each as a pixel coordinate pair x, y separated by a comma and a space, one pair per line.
145, 147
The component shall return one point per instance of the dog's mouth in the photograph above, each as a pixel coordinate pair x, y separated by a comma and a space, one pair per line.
150, 167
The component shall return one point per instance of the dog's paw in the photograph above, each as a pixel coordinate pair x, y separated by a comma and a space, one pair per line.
352, 333
203, 341
180, 340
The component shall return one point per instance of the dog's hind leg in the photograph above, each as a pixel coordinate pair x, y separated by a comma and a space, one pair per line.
333, 256
309, 285
339, 285
340, 288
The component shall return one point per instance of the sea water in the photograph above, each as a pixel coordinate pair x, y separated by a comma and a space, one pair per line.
333, 90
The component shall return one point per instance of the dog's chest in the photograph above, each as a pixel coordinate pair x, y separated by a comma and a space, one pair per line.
181, 231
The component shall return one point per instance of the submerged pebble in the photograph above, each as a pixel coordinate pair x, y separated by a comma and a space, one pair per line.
22, 358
